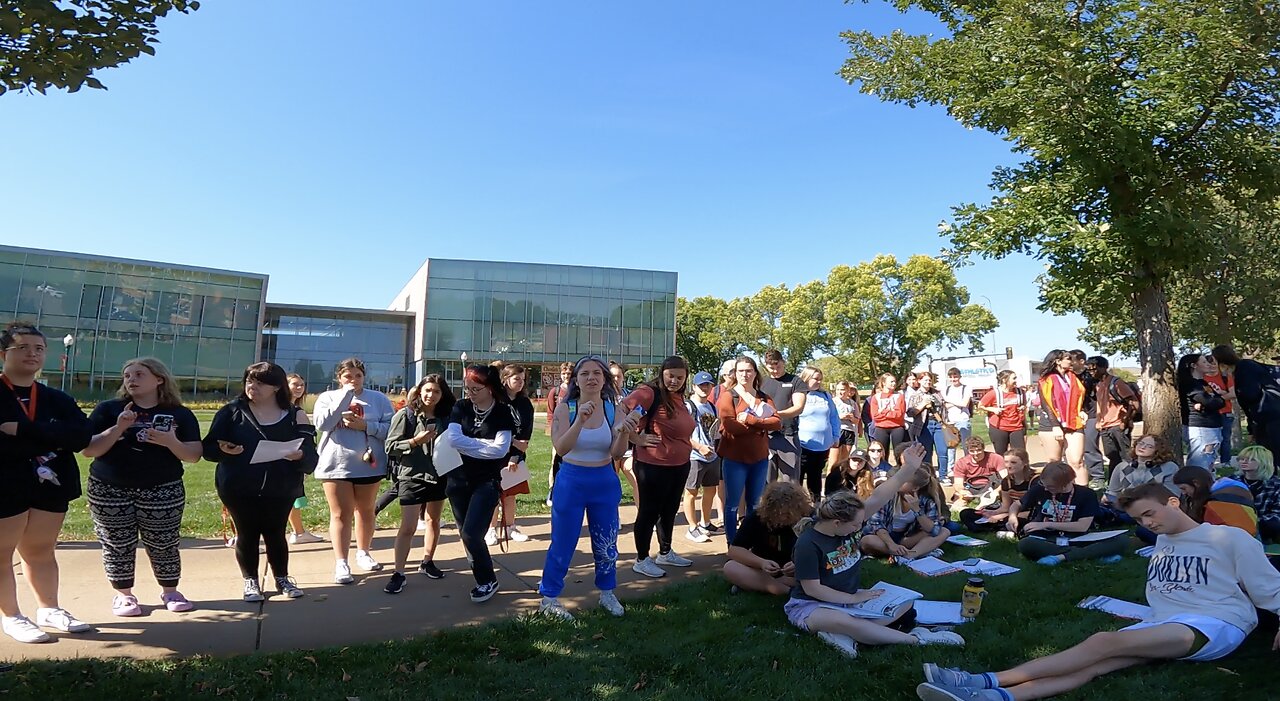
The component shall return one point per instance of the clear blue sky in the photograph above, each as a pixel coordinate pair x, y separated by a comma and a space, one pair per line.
309, 139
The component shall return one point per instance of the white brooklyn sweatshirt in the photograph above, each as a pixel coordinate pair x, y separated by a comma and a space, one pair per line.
1215, 571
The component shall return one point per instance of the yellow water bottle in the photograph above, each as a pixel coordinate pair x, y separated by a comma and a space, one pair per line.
971, 598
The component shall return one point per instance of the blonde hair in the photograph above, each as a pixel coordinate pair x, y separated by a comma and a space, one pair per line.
167, 393
1266, 461
839, 506
808, 372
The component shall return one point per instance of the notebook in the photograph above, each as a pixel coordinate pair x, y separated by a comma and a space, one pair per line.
989, 568
1116, 607
1096, 536
939, 613
966, 541
931, 566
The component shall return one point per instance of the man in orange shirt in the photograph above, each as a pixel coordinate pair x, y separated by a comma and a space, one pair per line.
1116, 405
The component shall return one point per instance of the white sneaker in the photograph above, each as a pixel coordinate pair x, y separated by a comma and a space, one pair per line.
1006, 535
846, 645
366, 562
61, 620
422, 526
491, 538
342, 573
697, 535
609, 602
648, 568
517, 535
552, 607
21, 628
672, 559
941, 637
304, 537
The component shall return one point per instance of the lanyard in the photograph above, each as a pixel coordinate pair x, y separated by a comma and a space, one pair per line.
30, 407
1060, 515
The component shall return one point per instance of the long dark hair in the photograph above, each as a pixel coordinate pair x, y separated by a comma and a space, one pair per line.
608, 393
665, 399
1184, 381
273, 375
487, 375
443, 407
1051, 362
1201, 487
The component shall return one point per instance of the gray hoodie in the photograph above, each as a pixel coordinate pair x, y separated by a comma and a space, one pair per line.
341, 449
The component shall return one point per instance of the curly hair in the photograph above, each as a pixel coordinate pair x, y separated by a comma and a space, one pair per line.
783, 503
837, 506
1162, 455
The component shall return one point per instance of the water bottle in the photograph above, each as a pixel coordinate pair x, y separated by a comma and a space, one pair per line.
971, 598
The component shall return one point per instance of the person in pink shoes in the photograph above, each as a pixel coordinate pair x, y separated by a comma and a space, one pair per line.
140, 441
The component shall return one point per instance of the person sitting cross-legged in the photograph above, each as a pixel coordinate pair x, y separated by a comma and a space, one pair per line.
760, 554
911, 524
1058, 511
1203, 583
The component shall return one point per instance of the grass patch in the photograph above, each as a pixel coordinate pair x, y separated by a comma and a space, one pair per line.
685, 642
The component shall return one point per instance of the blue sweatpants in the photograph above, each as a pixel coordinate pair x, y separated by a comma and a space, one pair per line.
596, 492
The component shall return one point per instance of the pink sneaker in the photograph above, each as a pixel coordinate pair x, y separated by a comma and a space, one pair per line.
176, 602
124, 605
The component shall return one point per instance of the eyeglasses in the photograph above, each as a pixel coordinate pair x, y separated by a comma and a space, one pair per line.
27, 348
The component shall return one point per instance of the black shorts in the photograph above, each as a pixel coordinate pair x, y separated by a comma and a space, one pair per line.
357, 480
22, 491
703, 474
417, 492
848, 437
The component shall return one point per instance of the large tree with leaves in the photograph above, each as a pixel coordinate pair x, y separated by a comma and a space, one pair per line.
1135, 119
708, 332
882, 315
62, 43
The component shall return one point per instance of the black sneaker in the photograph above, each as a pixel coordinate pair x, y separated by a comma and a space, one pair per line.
428, 567
484, 592
712, 528
396, 585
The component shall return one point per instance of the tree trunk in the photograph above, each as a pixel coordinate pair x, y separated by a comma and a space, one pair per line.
1155, 353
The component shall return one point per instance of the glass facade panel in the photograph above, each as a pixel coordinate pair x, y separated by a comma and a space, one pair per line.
312, 341
116, 310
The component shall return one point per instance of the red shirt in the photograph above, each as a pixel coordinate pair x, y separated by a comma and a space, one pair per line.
1011, 414
1222, 383
674, 429
967, 469
888, 409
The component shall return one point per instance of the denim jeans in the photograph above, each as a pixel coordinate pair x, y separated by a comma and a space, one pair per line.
740, 477
931, 438
1202, 446
595, 492
473, 503
1224, 450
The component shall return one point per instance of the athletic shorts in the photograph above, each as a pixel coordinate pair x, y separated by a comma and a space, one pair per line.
1222, 637
799, 610
417, 492
703, 474
17, 499
357, 480
848, 437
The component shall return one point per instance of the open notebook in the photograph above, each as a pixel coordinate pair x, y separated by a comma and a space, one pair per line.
1116, 607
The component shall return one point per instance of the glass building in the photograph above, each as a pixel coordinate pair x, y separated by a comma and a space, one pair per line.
311, 341
537, 314
202, 323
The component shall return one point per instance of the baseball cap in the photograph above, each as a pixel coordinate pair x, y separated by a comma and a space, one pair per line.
704, 378
726, 368
858, 455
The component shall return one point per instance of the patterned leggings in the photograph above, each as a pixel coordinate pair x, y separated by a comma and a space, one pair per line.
121, 514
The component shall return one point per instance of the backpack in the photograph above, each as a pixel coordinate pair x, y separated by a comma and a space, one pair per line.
609, 409
1136, 414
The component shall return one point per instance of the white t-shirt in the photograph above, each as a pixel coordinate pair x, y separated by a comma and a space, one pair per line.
957, 395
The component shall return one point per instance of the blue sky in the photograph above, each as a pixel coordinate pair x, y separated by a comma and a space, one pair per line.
335, 145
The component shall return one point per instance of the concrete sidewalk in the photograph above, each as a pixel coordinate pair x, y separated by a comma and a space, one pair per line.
330, 614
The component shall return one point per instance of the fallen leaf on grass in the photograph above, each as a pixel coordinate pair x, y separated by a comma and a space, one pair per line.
659, 607
420, 666
493, 651
1224, 669
775, 665
598, 636
644, 681
312, 660
345, 677
266, 673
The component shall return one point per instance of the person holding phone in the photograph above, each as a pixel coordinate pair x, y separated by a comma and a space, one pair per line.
259, 493
140, 441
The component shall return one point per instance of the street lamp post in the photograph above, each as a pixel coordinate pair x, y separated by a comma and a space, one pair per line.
67, 342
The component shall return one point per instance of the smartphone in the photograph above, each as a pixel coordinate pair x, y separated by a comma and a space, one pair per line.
972, 562
162, 423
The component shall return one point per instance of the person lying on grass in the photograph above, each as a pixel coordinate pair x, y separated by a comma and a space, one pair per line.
1060, 510
827, 563
911, 525
760, 555
1203, 583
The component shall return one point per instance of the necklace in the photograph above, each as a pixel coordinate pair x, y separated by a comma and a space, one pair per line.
478, 416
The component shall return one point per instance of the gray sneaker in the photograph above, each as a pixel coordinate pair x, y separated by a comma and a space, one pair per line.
846, 645
940, 637
609, 602
955, 678
252, 592
697, 535
937, 692
648, 568
552, 608
672, 559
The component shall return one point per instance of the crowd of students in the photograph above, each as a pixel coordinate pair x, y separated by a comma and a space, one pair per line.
802, 504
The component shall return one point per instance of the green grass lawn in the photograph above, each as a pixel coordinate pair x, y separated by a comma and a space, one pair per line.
691, 641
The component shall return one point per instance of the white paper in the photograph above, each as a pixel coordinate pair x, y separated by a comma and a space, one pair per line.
966, 541
931, 566
1096, 536
1116, 607
938, 613
268, 451
984, 519
444, 457
989, 568
511, 479
890, 601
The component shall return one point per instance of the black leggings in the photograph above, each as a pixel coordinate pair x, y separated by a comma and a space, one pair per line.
661, 489
812, 463
889, 437
1002, 440
1034, 548
260, 518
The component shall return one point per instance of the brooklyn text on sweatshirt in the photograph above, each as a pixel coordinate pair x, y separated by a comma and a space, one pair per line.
1215, 571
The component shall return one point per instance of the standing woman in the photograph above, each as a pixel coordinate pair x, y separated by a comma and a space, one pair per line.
481, 428
888, 413
140, 441
1204, 409
299, 534
353, 459
747, 417
849, 409
928, 407
1062, 416
1006, 406
819, 430
40, 431
410, 445
585, 431
259, 495
513, 379
662, 455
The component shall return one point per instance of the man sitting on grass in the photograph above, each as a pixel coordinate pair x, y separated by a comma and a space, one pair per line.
1203, 583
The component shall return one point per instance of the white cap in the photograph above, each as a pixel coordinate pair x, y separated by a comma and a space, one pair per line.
726, 368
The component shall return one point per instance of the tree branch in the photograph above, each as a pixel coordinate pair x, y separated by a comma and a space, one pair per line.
1207, 112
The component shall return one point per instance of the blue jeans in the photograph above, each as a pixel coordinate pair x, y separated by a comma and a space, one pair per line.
931, 437
955, 453
739, 477
1224, 449
1202, 446
595, 492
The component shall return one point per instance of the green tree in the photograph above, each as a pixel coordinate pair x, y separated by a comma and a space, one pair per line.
62, 43
1135, 119
881, 316
789, 321
708, 332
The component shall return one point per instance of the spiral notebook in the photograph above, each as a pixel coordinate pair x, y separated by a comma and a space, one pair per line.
1116, 607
